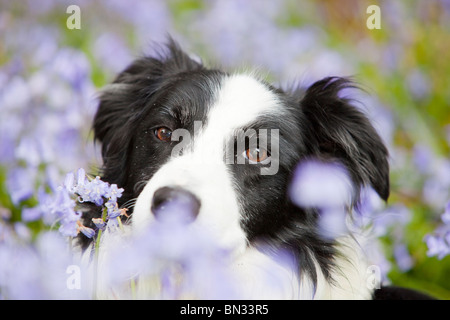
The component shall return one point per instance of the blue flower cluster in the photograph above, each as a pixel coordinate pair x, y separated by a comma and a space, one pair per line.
59, 207
439, 242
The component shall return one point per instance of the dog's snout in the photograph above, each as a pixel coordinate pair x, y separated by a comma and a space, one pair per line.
175, 202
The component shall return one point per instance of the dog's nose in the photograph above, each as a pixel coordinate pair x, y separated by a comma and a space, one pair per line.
175, 202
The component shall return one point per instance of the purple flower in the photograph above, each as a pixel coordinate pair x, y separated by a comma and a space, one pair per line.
15, 95
53, 177
9, 131
69, 226
402, 257
113, 193
63, 207
69, 182
321, 184
93, 191
38, 269
391, 220
422, 157
113, 210
99, 223
327, 187
81, 177
58, 207
31, 214
332, 223
437, 246
88, 232
21, 183
418, 83
72, 66
29, 151
435, 191
108, 43
438, 243
369, 206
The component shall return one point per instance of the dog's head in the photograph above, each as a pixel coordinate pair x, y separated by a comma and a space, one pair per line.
224, 146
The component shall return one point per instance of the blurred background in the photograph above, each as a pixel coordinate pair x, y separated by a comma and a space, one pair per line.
50, 74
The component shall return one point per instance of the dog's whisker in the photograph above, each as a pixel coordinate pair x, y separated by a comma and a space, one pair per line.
140, 185
129, 204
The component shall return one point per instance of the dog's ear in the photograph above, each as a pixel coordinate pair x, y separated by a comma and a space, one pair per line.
335, 129
123, 102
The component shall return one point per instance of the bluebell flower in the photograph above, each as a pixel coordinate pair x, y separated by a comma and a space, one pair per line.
107, 43
81, 178
403, 257
69, 227
88, 232
31, 214
422, 157
436, 189
438, 242
320, 184
112, 224
99, 223
9, 131
113, 210
58, 207
21, 183
332, 223
369, 207
437, 246
418, 84
38, 269
113, 192
326, 187
15, 94
53, 177
63, 207
72, 66
69, 182
28, 151
93, 191
391, 220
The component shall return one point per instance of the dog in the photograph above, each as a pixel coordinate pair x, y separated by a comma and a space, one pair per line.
172, 129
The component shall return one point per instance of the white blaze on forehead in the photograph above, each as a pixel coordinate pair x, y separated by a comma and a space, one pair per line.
240, 101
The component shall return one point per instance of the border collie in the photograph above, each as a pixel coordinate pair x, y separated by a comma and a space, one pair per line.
237, 186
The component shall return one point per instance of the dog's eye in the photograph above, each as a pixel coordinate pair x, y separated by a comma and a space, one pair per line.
256, 155
163, 134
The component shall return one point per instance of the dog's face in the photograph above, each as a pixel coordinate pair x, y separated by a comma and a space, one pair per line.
225, 147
